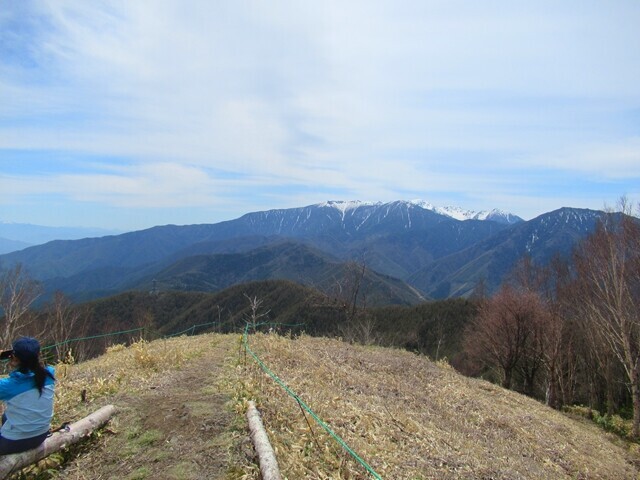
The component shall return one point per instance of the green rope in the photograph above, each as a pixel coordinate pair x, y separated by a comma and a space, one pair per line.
91, 338
191, 329
307, 408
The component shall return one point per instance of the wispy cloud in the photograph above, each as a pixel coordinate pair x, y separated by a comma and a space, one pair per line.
133, 186
606, 161
208, 104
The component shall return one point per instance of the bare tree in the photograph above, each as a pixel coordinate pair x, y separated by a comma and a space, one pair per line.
361, 329
571, 364
440, 335
526, 275
555, 284
529, 278
256, 313
608, 265
532, 362
355, 293
17, 293
346, 297
556, 342
346, 292
358, 326
551, 347
62, 322
144, 319
499, 335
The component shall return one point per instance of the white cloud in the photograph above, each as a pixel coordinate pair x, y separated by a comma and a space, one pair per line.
368, 98
605, 161
157, 185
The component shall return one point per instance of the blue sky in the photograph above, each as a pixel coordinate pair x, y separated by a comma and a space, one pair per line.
125, 115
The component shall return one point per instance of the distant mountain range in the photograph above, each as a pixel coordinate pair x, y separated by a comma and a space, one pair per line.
16, 236
7, 245
412, 250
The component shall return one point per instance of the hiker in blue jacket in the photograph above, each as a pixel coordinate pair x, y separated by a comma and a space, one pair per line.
28, 397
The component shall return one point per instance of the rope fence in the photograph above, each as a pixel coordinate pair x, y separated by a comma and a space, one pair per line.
93, 337
306, 407
189, 331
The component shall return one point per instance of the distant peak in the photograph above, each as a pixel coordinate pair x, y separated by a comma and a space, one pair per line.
498, 215
422, 204
456, 213
344, 205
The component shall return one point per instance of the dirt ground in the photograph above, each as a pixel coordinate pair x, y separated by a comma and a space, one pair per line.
181, 427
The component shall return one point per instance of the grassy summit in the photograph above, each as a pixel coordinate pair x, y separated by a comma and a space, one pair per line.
181, 403
410, 418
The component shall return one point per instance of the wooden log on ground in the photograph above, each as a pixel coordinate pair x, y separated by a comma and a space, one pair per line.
59, 440
266, 456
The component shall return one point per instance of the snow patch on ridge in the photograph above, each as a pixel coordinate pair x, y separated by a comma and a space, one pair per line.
343, 206
461, 214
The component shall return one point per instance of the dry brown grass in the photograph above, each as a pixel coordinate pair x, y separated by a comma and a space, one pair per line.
410, 418
120, 369
171, 401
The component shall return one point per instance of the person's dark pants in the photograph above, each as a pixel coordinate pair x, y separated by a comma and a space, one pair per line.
16, 446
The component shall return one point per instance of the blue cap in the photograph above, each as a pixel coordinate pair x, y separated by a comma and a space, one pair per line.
26, 348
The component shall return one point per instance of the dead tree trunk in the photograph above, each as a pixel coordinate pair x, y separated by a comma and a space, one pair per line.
59, 440
267, 458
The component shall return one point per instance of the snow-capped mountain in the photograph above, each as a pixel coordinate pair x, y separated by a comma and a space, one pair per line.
457, 213
357, 218
461, 214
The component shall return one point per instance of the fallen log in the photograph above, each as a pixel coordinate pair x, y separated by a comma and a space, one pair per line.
59, 440
266, 456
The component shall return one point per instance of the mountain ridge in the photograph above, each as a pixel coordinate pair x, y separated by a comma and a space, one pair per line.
435, 254
552, 233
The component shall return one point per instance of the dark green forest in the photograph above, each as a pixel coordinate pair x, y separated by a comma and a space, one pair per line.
432, 328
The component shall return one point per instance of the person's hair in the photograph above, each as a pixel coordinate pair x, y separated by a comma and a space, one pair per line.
40, 372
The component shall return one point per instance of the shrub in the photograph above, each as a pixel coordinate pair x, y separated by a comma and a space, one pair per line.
611, 423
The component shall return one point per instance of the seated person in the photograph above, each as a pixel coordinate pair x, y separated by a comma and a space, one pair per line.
28, 396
